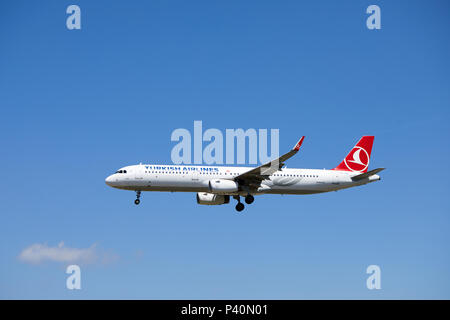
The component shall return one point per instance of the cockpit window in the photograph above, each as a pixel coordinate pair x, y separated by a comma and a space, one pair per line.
121, 171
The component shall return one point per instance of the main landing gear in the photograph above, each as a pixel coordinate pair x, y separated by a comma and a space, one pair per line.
138, 195
248, 200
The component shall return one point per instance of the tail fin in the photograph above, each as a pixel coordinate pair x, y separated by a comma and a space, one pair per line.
358, 158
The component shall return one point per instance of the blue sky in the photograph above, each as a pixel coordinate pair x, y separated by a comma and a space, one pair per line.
77, 105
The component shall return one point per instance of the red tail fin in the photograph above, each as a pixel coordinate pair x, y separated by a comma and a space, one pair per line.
358, 158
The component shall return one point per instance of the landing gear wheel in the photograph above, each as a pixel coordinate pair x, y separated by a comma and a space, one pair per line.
239, 207
249, 199
138, 195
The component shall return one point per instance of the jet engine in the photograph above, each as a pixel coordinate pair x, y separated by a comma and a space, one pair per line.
211, 198
223, 186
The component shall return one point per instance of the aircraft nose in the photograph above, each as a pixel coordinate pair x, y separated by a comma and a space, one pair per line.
109, 181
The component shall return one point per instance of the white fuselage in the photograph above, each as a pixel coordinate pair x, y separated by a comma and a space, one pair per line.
177, 178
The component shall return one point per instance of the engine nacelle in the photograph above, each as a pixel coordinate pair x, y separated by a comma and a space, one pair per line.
223, 186
212, 199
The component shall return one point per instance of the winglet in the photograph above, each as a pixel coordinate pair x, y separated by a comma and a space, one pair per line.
299, 144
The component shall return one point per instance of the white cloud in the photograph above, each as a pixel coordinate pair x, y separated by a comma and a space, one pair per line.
38, 253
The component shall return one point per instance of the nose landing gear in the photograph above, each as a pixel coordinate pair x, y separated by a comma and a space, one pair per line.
138, 195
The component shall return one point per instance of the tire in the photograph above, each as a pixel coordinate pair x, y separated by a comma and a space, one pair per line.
137, 201
239, 207
249, 199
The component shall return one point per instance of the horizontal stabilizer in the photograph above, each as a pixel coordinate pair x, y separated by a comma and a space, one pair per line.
367, 174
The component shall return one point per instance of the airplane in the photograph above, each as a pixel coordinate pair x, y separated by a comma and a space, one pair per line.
215, 185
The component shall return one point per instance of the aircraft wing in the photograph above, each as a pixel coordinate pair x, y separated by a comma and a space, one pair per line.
253, 177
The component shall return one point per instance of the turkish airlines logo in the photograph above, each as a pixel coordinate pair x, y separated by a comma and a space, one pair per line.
357, 160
